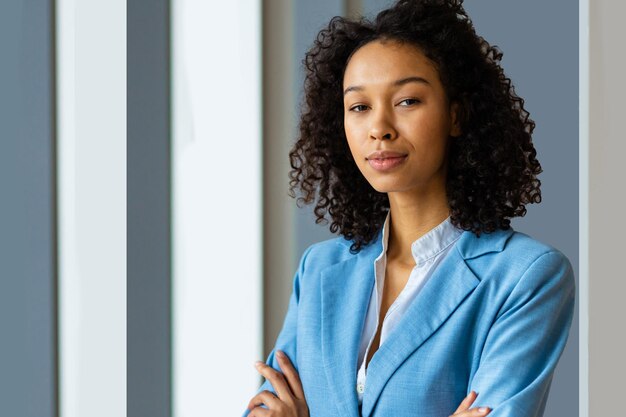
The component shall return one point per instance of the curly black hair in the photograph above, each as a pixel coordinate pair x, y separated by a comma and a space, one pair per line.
492, 165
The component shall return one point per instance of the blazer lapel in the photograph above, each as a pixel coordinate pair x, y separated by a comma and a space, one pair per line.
346, 289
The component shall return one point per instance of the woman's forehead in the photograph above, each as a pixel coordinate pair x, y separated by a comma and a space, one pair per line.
381, 63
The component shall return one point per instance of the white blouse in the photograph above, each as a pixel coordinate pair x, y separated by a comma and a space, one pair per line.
428, 251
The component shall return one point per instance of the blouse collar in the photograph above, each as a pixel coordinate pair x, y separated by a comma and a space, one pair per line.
428, 245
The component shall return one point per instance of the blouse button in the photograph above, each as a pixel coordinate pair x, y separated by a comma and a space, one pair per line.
360, 388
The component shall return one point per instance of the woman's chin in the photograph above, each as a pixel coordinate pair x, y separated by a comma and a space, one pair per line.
387, 187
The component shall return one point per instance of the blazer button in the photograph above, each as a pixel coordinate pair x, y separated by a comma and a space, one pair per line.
360, 388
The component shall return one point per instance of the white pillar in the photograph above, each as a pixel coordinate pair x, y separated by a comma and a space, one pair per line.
91, 105
605, 226
217, 201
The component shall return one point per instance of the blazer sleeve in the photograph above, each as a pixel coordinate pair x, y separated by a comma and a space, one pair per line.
526, 340
286, 340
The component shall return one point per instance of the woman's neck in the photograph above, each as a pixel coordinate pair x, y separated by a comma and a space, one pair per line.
412, 216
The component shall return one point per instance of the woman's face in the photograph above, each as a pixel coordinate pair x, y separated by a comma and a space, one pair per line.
397, 117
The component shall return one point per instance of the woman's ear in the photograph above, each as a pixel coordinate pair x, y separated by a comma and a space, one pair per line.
455, 129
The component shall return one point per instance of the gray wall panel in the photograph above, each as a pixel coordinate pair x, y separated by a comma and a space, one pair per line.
148, 210
28, 318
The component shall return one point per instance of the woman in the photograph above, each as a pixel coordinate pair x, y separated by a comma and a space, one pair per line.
414, 143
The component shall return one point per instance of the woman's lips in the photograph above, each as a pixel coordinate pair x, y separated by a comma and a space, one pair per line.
386, 164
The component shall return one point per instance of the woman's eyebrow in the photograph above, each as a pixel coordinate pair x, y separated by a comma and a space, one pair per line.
413, 79
402, 81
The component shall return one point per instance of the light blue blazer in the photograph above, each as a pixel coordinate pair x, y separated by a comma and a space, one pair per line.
494, 318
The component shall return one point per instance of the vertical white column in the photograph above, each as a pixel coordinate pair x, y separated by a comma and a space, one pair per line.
91, 85
217, 218
583, 209
606, 201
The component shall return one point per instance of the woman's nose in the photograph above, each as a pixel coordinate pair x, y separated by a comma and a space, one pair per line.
382, 128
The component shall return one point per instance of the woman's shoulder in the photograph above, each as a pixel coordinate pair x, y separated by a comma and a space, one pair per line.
529, 249
327, 252
517, 257
504, 243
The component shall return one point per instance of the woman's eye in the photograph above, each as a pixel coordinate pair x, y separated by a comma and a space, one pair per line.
358, 108
409, 101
